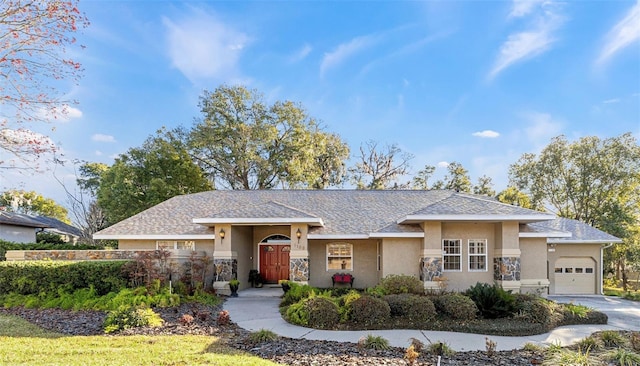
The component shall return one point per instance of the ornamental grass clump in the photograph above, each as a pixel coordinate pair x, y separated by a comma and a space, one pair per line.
126, 317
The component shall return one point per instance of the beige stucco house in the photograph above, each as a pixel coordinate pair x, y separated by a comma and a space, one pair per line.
308, 235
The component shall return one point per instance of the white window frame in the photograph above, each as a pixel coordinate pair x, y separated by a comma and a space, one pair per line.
453, 255
173, 244
477, 255
350, 246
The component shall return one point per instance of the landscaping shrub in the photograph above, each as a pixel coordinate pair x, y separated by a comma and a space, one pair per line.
370, 311
126, 317
296, 293
323, 313
401, 284
261, 336
455, 306
345, 304
298, 314
35, 277
412, 307
535, 309
492, 300
374, 342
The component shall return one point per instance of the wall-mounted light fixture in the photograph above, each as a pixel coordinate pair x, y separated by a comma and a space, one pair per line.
221, 234
298, 234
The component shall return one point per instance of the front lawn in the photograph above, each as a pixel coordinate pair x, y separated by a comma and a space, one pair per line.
27, 344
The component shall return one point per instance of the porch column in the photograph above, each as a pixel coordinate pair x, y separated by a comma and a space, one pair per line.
299, 255
225, 261
506, 256
431, 258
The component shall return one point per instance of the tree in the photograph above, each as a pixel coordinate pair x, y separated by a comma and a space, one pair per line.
32, 203
421, 179
243, 143
592, 180
34, 36
484, 187
82, 201
457, 179
513, 196
158, 170
380, 168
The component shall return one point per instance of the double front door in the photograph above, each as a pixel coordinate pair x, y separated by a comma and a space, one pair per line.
274, 262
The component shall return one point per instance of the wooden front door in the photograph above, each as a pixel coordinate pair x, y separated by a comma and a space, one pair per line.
274, 262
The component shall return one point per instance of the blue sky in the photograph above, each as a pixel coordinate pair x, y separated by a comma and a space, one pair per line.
477, 82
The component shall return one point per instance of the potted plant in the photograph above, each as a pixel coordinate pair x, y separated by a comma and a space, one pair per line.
233, 286
255, 278
285, 285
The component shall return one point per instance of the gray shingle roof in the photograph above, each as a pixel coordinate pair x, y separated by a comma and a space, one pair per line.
16, 219
580, 232
342, 211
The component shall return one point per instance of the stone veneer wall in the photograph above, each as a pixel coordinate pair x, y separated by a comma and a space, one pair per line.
506, 269
299, 269
226, 269
430, 269
73, 255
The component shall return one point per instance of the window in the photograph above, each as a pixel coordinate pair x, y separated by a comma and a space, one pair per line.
173, 244
339, 256
452, 255
568, 270
578, 270
558, 270
477, 255
588, 270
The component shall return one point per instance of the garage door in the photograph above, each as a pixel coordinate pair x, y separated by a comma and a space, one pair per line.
575, 275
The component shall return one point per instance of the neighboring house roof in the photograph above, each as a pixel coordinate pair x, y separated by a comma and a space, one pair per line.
57, 226
346, 213
580, 232
41, 222
16, 219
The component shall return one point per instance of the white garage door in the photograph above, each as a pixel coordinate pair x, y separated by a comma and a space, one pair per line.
575, 275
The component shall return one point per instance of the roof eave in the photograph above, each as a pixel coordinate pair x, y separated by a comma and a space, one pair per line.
581, 241
547, 234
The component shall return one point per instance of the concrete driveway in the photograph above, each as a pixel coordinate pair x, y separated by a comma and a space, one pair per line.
623, 314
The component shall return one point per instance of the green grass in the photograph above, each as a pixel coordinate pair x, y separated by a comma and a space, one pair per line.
27, 344
619, 292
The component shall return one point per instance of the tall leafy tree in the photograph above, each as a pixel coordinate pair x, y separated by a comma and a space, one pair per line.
244, 143
513, 196
158, 170
32, 203
593, 180
34, 37
484, 187
380, 167
457, 179
421, 179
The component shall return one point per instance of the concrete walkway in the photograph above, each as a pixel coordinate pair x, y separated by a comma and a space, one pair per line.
256, 309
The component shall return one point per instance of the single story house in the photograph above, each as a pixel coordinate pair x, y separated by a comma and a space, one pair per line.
445, 238
21, 228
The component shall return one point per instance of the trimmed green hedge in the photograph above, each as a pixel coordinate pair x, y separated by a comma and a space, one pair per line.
34, 277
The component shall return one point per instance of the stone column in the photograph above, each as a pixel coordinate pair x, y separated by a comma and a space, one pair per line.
225, 261
431, 258
506, 268
299, 255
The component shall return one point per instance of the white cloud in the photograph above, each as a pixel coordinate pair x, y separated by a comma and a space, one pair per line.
527, 44
489, 134
102, 138
301, 54
611, 101
98, 153
442, 164
523, 7
63, 113
202, 47
623, 34
344, 51
542, 127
